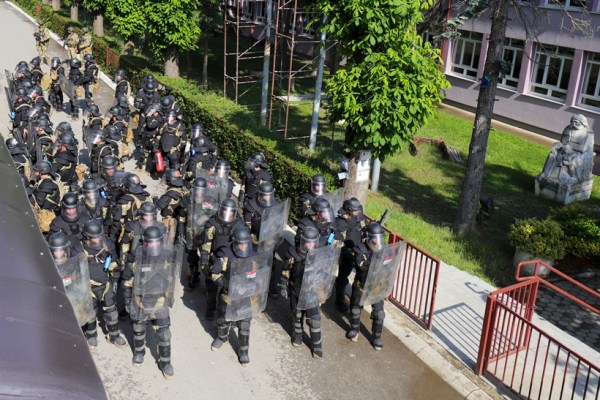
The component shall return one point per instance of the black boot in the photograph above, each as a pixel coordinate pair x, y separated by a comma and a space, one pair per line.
222, 334
114, 335
244, 342
377, 329
315, 337
91, 335
195, 279
164, 362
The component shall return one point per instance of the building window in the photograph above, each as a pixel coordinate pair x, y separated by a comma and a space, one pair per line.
247, 10
467, 49
513, 54
551, 71
261, 11
567, 3
590, 90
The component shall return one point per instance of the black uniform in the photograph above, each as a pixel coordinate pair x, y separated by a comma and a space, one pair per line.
75, 76
47, 193
253, 212
172, 209
168, 141
352, 229
125, 209
90, 76
55, 94
64, 163
71, 228
253, 180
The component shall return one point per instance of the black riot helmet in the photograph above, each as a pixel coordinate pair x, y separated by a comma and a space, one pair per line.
11, 143
133, 183
94, 110
69, 207
322, 210
97, 137
351, 207
147, 211
375, 236
93, 234
227, 211
59, 245
42, 167
115, 111
22, 65
222, 169
198, 190
309, 239
171, 116
35, 62
174, 178
197, 130
257, 159
63, 127
150, 88
167, 101
153, 241
318, 185
112, 132
123, 102
109, 165
35, 91
22, 92
242, 242
266, 194
89, 58
55, 62
199, 144
120, 75
68, 140
91, 192
75, 63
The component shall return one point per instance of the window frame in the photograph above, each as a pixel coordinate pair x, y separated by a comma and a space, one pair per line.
594, 63
466, 37
557, 52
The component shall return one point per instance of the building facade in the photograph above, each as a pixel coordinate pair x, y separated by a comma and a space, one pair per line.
553, 74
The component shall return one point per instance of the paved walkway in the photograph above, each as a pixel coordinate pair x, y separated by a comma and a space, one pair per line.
441, 367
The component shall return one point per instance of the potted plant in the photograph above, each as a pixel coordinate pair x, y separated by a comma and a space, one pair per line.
537, 239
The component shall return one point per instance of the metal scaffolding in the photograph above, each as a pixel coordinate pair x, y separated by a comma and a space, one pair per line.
243, 48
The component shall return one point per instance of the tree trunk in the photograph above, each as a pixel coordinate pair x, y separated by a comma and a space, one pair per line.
98, 25
357, 183
75, 11
205, 61
172, 62
56, 5
471, 188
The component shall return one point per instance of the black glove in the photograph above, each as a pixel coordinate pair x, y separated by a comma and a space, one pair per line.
283, 288
216, 267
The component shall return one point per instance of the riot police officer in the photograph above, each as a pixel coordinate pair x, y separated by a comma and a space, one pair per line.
37, 99
75, 76
98, 149
318, 187
254, 208
95, 119
64, 159
169, 103
172, 206
148, 129
240, 248
351, 223
71, 218
374, 242
45, 191
256, 173
201, 157
102, 261
55, 94
127, 205
94, 205
199, 131
90, 74
294, 264
152, 306
169, 139
20, 156
123, 88
322, 219
198, 209
217, 234
36, 71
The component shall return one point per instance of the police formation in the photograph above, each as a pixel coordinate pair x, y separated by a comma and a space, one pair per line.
109, 235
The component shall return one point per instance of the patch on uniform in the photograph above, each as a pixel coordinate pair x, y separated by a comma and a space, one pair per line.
387, 260
250, 274
67, 281
212, 184
208, 205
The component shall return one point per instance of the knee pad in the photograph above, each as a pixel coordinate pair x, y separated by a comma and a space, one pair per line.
138, 327
314, 323
378, 315
163, 333
243, 325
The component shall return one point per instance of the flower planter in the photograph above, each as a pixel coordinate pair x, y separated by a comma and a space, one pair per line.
528, 270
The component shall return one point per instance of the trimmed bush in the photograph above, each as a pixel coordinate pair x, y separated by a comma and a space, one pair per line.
542, 238
581, 225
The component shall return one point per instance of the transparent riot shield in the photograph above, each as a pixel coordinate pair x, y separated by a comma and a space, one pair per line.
273, 222
75, 275
335, 199
382, 273
68, 87
154, 283
198, 215
10, 89
216, 188
318, 278
89, 136
248, 286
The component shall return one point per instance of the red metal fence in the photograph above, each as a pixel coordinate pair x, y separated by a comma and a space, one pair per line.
416, 284
525, 358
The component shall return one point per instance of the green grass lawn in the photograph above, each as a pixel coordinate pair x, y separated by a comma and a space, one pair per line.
423, 192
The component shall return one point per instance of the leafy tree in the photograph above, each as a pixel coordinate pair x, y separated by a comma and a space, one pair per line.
392, 79
171, 30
